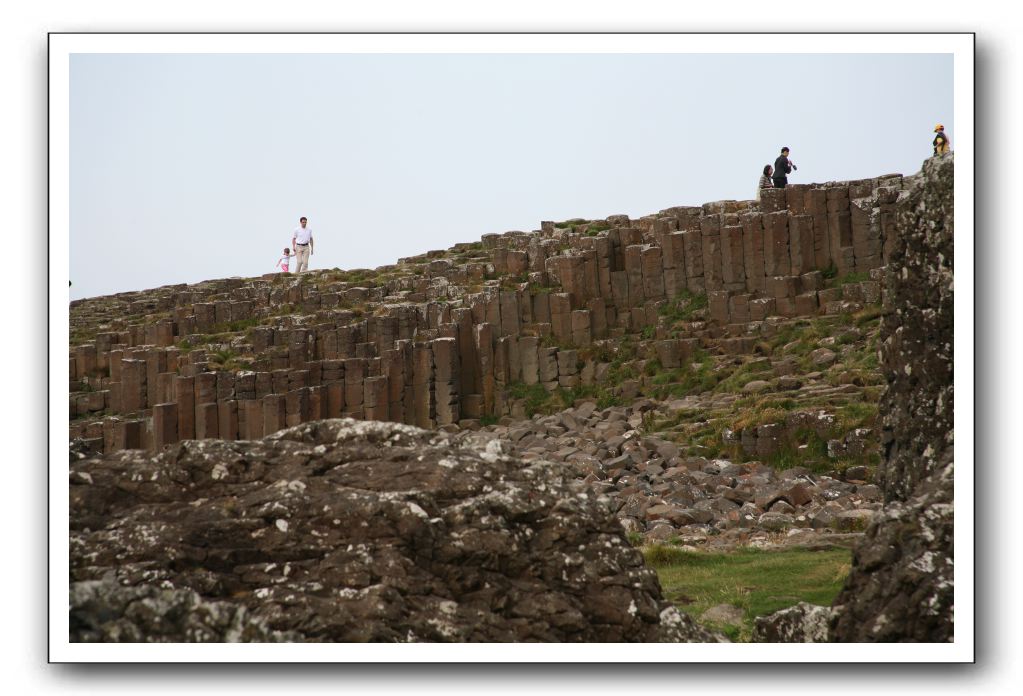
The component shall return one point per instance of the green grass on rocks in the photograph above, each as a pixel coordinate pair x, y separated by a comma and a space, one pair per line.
757, 582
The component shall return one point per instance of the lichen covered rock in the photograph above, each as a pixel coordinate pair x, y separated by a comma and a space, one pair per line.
901, 584
917, 335
802, 623
349, 530
103, 611
900, 587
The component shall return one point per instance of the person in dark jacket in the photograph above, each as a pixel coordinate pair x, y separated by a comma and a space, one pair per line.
782, 167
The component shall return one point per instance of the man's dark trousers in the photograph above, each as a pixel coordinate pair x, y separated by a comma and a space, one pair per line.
780, 181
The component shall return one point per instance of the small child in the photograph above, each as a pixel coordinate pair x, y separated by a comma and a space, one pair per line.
284, 262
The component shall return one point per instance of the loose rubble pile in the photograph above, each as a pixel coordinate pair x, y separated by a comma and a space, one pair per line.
349, 530
660, 494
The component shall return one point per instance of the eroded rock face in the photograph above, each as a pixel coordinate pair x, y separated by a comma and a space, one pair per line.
900, 586
917, 336
349, 530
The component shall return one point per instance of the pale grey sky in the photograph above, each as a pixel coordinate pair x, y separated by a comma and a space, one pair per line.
186, 167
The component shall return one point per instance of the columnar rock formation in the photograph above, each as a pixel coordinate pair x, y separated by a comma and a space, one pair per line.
438, 339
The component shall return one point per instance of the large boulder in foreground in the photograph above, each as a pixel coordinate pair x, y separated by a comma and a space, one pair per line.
901, 584
350, 530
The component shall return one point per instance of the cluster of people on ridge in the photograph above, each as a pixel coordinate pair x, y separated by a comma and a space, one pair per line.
772, 177
777, 176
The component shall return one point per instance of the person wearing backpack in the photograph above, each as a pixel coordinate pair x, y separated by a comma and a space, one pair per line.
941, 143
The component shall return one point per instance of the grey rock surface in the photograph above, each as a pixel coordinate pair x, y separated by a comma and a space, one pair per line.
802, 623
917, 337
902, 579
345, 530
103, 611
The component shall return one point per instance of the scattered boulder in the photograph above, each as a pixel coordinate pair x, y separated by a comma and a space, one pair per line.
802, 623
726, 614
822, 357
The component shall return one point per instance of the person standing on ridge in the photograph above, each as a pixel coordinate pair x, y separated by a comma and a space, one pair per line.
302, 243
941, 143
782, 167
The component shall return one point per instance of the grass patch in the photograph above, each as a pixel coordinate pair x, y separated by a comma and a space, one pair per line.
868, 314
697, 375
535, 395
569, 224
539, 400
833, 281
758, 582
761, 414
229, 360
747, 372
856, 414
79, 336
683, 306
803, 448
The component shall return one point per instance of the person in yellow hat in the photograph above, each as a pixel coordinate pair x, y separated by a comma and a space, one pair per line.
941, 143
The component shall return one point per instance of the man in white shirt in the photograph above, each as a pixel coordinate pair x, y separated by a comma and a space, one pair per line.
302, 244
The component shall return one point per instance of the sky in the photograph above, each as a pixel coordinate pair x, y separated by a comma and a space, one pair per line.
187, 167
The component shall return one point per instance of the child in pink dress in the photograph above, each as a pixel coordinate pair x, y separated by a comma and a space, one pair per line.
284, 262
